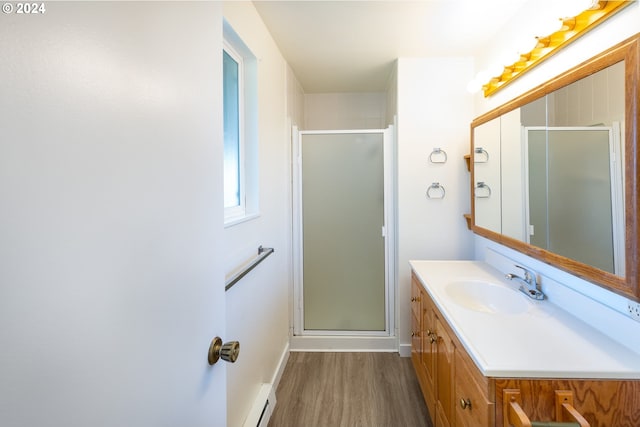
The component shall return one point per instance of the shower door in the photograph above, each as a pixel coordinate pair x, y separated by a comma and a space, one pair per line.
342, 243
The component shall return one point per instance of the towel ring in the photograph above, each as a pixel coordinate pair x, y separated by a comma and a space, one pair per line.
438, 152
435, 191
482, 151
482, 185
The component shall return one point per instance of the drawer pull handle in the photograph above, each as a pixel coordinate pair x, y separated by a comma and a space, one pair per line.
414, 299
465, 403
433, 337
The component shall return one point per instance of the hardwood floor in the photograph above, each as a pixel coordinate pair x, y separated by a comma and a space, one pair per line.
349, 390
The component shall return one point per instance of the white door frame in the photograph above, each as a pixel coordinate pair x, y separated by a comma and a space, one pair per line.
346, 340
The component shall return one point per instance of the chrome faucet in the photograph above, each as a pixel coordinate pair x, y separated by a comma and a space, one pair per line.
529, 285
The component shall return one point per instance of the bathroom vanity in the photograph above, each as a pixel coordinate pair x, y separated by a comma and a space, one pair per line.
487, 355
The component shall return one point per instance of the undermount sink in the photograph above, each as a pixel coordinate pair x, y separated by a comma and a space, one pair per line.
478, 295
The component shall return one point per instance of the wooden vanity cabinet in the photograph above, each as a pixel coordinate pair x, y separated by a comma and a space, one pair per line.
416, 328
445, 381
472, 402
457, 394
603, 403
455, 391
462, 392
429, 353
435, 366
420, 344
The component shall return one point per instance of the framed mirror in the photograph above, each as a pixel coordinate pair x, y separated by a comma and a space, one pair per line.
554, 173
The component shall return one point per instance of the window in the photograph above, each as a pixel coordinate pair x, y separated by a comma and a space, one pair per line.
240, 106
233, 140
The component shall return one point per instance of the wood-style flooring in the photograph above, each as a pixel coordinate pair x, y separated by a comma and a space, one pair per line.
349, 390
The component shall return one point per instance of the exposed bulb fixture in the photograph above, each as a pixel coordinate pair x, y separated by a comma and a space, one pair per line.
570, 19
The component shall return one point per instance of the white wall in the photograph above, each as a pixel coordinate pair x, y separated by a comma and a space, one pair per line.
295, 100
336, 111
392, 97
434, 110
618, 28
258, 306
111, 280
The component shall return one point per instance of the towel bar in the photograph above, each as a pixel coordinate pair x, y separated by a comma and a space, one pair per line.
262, 254
566, 415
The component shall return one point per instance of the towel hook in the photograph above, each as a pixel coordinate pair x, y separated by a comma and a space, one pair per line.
482, 185
483, 152
438, 155
435, 191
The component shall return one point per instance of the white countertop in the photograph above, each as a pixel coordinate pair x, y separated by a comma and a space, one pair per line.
542, 342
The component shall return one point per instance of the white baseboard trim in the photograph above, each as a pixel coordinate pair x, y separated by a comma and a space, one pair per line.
344, 344
261, 409
284, 358
405, 350
265, 401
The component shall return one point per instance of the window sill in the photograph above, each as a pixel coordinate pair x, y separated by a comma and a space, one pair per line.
240, 219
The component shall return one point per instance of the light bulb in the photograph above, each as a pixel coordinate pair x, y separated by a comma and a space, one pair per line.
474, 86
526, 44
548, 26
510, 58
483, 76
571, 8
495, 70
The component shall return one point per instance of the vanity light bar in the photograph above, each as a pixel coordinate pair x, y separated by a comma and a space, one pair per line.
572, 28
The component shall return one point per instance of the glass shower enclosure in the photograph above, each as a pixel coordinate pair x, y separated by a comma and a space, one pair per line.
342, 207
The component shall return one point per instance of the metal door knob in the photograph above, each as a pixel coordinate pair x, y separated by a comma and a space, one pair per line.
228, 351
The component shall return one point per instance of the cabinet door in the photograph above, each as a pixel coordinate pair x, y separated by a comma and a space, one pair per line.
429, 349
441, 418
416, 341
444, 373
416, 296
416, 348
416, 330
417, 338
472, 405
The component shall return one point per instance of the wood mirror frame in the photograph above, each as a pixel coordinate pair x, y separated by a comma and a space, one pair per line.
628, 51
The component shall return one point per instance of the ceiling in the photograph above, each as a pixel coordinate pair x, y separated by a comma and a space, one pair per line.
350, 46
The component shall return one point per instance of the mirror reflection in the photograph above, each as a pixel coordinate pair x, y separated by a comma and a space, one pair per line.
551, 173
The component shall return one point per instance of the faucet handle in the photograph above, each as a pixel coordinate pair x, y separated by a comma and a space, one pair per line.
528, 274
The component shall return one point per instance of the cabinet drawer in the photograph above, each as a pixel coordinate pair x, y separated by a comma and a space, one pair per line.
473, 408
